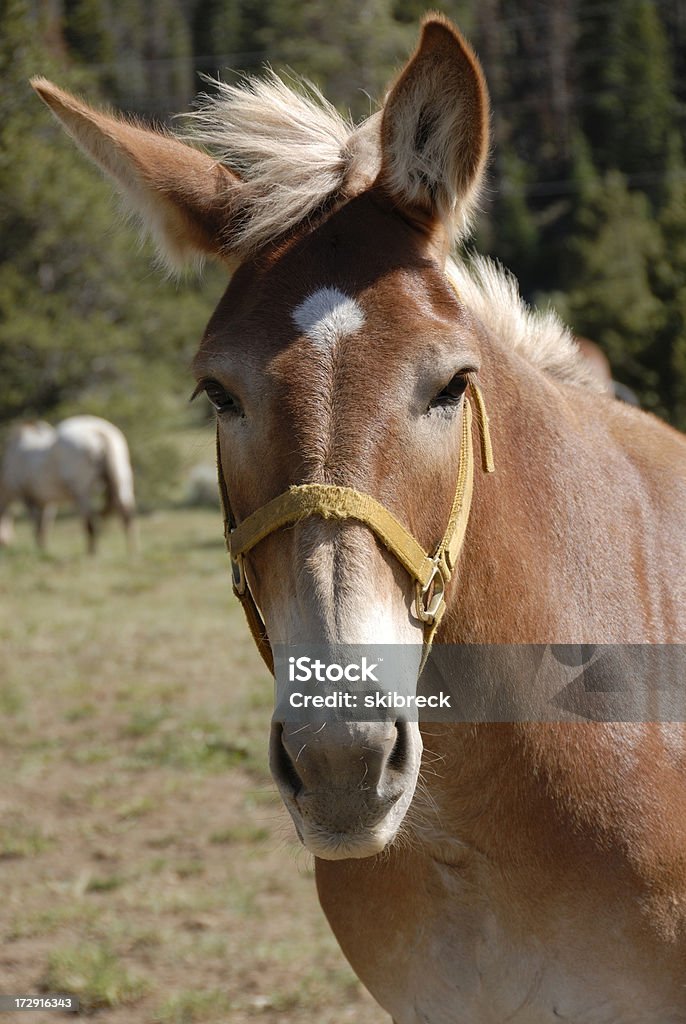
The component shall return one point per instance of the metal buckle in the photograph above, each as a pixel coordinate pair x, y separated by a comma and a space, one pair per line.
238, 574
428, 612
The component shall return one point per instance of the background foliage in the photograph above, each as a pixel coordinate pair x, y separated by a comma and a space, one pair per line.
587, 196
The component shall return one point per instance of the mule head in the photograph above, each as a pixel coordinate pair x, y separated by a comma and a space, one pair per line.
337, 355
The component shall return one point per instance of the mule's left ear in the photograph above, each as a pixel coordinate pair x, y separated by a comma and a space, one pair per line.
434, 132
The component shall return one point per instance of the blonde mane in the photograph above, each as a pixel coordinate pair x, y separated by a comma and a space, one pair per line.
296, 154
290, 147
491, 293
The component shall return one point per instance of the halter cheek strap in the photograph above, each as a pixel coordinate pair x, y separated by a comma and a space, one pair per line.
431, 572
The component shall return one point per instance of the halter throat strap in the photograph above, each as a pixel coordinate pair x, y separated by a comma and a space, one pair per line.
431, 572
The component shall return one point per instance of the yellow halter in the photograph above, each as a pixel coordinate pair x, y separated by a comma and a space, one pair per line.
431, 572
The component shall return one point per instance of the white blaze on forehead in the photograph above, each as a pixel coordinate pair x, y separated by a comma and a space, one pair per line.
327, 315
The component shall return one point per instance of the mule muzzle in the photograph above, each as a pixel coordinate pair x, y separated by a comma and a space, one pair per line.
347, 785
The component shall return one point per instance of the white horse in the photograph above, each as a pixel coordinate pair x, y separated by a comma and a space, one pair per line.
45, 466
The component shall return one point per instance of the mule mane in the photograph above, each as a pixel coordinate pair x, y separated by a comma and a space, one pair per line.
492, 293
291, 148
295, 153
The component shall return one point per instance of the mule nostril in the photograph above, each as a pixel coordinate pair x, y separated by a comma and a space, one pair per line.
281, 764
397, 759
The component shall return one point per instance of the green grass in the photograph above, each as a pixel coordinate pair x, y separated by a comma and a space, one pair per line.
105, 883
240, 834
11, 700
196, 743
40, 922
21, 838
95, 975
190, 1007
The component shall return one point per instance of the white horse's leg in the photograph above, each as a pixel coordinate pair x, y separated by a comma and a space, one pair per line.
42, 517
34, 511
91, 526
6, 530
130, 529
6, 523
6, 527
46, 517
90, 523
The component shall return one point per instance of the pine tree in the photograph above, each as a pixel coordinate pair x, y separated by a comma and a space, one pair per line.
216, 32
625, 98
670, 286
611, 299
511, 234
350, 49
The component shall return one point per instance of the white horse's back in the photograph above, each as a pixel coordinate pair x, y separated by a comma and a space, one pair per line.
44, 466
88, 449
26, 467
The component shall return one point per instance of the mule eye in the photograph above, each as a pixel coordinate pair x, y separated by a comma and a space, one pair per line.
222, 400
453, 391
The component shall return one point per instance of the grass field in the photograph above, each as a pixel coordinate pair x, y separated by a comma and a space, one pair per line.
147, 865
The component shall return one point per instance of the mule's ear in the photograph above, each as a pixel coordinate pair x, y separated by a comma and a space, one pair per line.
185, 199
434, 132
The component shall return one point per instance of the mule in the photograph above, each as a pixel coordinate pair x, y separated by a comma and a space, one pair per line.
473, 872
44, 466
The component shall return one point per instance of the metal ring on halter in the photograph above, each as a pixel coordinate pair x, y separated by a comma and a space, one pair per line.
238, 574
428, 612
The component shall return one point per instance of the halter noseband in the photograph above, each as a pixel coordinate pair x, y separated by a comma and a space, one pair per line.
431, 573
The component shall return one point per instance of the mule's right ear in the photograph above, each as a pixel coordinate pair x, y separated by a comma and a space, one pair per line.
186, 200
434, 132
